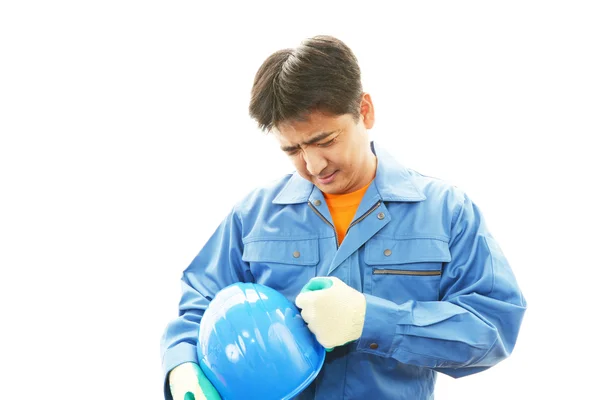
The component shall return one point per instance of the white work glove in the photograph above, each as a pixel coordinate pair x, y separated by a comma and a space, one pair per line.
188, 382
334, 311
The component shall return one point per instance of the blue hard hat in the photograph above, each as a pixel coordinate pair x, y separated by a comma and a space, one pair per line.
254, 344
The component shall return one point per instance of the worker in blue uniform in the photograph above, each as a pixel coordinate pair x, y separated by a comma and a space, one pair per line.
395, 272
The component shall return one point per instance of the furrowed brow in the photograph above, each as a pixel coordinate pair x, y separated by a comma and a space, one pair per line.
313, 140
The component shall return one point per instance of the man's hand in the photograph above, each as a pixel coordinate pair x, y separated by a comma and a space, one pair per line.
188, 382
334, 311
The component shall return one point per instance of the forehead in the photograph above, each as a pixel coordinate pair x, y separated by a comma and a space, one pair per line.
312, 125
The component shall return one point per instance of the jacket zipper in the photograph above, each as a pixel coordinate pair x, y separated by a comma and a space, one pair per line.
327, 222
365, 215
380, 271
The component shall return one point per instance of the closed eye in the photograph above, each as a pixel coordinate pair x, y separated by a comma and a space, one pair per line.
327, 144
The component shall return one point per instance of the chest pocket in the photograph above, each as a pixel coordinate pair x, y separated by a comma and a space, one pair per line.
284, 265
405, 269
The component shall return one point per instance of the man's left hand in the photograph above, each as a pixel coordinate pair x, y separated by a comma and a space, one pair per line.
334, 311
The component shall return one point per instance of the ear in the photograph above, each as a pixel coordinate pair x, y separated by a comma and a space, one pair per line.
367, 111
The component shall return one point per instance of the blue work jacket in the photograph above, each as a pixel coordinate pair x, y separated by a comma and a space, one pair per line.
440, 294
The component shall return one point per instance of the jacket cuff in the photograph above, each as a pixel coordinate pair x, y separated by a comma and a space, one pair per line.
177, 355
380, 334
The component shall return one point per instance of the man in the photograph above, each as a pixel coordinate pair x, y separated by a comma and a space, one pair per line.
395, 272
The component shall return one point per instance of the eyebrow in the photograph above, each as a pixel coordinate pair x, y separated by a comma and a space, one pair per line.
316, 139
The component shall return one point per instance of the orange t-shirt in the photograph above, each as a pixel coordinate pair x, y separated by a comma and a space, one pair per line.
343, 208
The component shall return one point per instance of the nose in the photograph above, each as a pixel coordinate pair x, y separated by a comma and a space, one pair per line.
315, 162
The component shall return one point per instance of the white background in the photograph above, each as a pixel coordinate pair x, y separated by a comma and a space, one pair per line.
125, 139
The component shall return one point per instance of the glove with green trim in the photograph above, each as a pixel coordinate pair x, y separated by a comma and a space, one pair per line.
188, 382
334, 311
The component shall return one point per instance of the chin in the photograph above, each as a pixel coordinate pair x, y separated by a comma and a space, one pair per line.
325, 189
330, 189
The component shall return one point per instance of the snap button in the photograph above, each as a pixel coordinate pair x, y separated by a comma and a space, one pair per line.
387, 252
317, 202
381, 215
374, 346
296, 254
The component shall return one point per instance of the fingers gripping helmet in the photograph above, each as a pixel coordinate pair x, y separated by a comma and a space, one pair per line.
253, 344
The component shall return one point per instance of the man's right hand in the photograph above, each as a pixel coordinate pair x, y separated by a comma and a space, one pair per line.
188, 382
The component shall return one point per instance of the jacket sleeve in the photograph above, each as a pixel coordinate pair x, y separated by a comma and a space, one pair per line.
217, 265
475, 323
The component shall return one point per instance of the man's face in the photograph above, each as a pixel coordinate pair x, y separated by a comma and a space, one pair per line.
331, 151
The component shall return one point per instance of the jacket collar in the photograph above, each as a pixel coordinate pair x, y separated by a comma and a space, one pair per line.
392, 181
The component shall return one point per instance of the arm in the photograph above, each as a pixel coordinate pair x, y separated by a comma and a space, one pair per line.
473, 326
217, 265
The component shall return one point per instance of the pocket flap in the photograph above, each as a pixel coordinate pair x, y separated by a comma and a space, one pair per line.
405, 251
295, 252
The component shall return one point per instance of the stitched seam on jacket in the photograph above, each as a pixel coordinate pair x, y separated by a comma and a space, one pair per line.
492, 263
455, 215
278, 239
486, 353
454, 364
440, 238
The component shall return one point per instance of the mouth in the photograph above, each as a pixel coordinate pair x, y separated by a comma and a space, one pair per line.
326, 179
